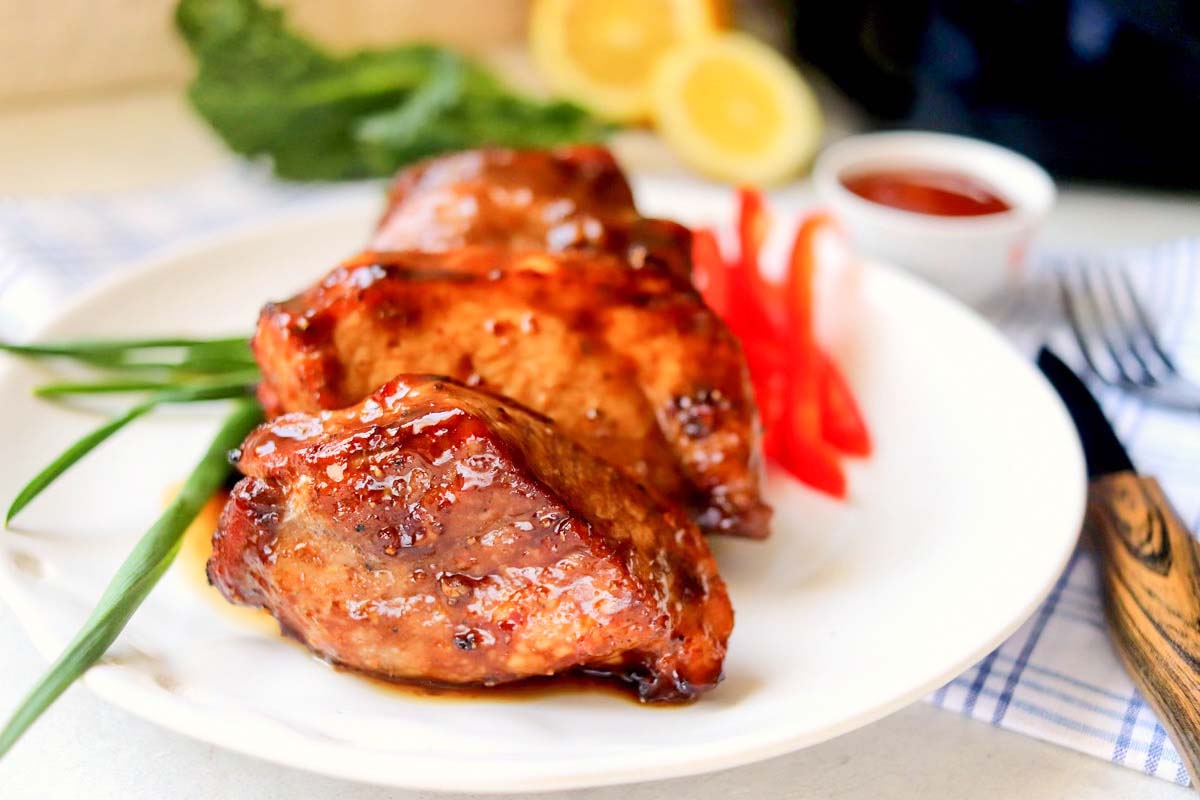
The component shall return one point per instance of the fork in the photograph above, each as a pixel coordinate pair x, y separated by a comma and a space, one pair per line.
1117, 338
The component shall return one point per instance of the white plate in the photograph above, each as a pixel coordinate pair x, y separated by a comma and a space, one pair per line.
955, 530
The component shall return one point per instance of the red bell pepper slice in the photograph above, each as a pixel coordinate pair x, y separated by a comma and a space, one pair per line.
753, 225
806, 454
809, 415
710, 274
799, 298
814, 464
798, 447
728, 289
842, 423
770, 376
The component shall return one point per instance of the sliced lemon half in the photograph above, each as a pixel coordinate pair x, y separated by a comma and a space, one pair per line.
734, 109
602, 53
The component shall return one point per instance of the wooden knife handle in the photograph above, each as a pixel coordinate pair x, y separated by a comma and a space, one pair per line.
1150, 571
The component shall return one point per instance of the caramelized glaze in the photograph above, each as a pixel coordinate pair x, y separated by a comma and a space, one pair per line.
630, 363
532, 274
192, 561
573, 198
437, 533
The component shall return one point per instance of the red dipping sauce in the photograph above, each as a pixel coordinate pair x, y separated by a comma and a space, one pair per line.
927, 191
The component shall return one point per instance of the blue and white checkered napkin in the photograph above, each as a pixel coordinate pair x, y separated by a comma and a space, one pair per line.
1056, 679
50, 247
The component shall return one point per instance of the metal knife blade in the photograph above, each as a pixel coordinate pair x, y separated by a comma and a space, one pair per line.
1102, 449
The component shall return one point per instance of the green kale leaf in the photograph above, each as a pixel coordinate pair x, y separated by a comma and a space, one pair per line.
269, 92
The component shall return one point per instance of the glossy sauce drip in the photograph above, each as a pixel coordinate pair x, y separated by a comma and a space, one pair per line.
927, 191
550, 687
192, 561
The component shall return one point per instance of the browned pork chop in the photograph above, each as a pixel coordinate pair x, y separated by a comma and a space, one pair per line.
438, 533
572, 198
630, 363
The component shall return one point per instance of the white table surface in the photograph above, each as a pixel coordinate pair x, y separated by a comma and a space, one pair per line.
83, 748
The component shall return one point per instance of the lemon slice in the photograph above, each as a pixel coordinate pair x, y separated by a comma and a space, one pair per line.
733, 108
602, 53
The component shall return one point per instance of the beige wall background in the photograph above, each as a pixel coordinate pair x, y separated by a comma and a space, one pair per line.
50, 49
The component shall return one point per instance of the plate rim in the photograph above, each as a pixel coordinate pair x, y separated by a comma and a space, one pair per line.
172, 713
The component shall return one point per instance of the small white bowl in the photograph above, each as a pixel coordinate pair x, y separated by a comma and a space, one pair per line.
971, 257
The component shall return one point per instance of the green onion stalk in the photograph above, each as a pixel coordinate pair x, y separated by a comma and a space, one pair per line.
169, 370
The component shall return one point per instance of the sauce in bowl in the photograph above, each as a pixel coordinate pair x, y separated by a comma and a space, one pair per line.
927, 191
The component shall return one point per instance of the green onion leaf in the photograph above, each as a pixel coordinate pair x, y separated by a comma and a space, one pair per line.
88, 347
137, 576
112, 386
172, 355
91, 440
189, 365
72, 454
127, 385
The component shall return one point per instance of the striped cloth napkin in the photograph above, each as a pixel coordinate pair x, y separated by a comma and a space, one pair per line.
1056, 679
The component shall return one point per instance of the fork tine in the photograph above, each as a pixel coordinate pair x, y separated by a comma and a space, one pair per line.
1125, 326
1074, 321
1107, 317
1143, 320
1103, 321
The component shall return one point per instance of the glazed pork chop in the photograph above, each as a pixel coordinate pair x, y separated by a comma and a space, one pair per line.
438, 533
630, 363
572, 198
